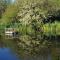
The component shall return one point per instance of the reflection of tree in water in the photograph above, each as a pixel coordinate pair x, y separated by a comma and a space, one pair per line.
1, 42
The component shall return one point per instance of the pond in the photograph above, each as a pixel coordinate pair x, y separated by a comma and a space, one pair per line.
40, 57
7, 54
52, 53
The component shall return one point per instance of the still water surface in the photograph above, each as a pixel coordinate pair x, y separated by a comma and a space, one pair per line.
7, 54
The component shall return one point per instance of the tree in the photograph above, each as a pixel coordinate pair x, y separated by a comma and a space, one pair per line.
3, 6
9, 14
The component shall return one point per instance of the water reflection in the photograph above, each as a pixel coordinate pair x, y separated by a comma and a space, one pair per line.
46, 54
38, 58
6, 54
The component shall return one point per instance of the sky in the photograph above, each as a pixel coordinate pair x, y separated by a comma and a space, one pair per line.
10, 1
13, 1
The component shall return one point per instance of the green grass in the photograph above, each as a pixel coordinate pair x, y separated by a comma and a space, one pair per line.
52, 28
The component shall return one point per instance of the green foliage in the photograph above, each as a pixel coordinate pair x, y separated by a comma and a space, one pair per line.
52, 28
27, 17
9, 14
31, 15
3, 6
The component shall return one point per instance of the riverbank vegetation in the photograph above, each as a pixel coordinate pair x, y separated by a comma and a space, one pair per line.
38, 24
